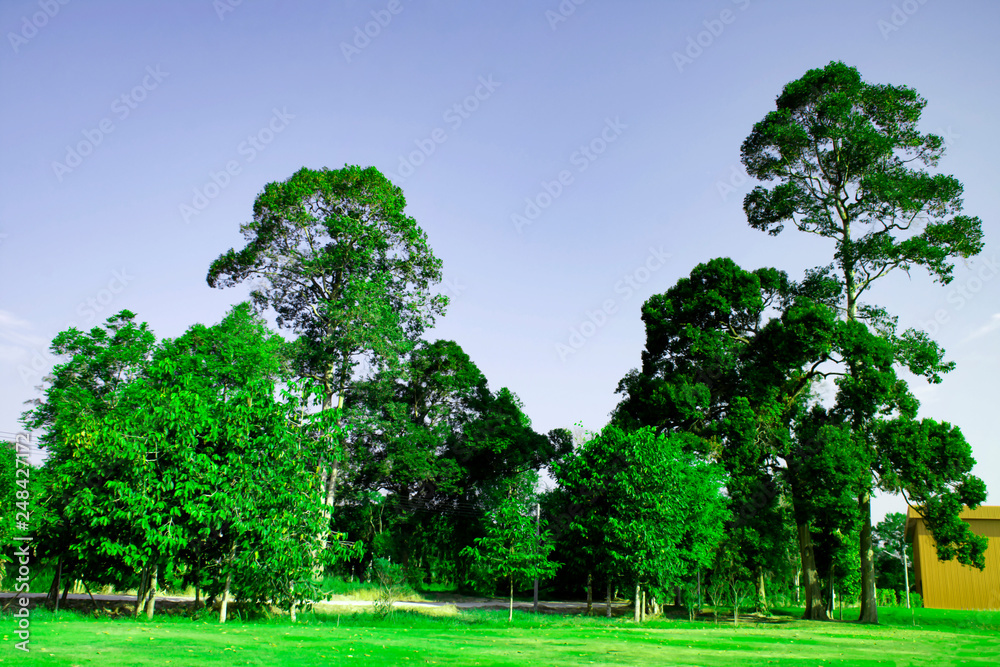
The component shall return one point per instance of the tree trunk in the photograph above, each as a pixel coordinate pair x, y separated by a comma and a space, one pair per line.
699, 591
54, 588
92, 600
510, 609
140, 594
736, 603
906, 568
328, 474
590, 594
151, 596
815, 609
607, 607
798, 598
637, 603
869, 608
761, 592
831, 602
224, 608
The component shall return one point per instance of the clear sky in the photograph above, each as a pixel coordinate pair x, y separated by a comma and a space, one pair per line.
135, 136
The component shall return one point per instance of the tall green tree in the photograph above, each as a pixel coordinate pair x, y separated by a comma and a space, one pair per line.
343, 266
846, 156
731, 356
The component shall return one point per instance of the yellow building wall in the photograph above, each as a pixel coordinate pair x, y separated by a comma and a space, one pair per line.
951, 585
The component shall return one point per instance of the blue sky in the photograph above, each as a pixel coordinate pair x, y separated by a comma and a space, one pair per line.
567, 160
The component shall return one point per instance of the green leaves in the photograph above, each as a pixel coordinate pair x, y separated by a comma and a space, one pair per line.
342, 265
517, 545
931, 463
187, 458
840, 150
647, 508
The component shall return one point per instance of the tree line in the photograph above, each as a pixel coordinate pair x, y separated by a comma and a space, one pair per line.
248, 465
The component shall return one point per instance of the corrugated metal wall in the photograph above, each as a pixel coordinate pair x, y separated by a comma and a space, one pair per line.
951, 585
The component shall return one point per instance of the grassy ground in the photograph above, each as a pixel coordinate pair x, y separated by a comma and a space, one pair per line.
484, 638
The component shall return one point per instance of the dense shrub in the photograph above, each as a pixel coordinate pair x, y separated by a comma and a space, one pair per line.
886, 597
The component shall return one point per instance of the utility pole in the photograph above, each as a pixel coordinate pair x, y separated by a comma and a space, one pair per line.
538, 520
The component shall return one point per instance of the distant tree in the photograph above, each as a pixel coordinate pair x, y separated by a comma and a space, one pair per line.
841, 151
428, 439
516, 548
892, 553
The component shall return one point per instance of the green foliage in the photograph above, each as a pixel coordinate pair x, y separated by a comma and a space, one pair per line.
886, 597
390, 578
646, 507
841, 150
8, 500
846, 156
428, 440
189, 460
342, 265
932, 462
516, 547
891, 549
83, 390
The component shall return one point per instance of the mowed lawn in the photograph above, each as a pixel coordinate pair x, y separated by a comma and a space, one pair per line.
483, 638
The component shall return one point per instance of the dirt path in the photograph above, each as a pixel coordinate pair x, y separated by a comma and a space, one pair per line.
120, 605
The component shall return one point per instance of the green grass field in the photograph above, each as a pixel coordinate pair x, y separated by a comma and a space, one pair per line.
484, 638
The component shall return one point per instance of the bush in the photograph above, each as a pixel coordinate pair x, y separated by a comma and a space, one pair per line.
390, 577
916, 600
